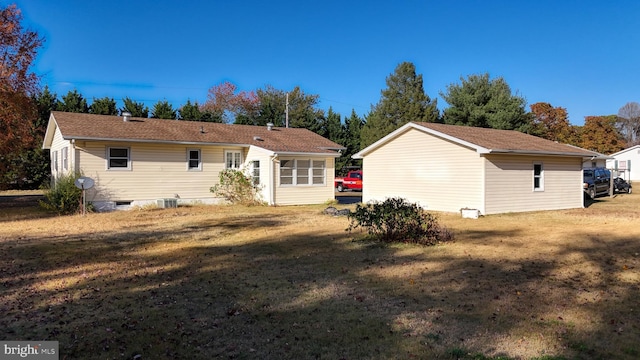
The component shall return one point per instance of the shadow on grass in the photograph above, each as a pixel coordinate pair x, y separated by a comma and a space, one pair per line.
308, 294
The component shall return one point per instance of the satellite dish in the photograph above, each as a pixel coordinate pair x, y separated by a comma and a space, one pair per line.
84, 183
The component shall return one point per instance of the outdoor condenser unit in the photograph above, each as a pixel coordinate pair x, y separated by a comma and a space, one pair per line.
167, 203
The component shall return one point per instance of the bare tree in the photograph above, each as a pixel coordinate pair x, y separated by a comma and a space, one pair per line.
629, 123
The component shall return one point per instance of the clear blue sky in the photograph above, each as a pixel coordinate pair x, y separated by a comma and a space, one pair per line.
580, 55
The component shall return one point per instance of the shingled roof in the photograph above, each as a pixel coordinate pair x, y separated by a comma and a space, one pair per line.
113, 128
489, 141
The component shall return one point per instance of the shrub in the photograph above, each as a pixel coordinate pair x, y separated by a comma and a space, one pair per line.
236, 187
396, 220
64, 197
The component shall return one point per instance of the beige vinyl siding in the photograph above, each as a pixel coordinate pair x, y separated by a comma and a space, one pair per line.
266, 165
157, 171
307, 194
509, 183
424, 169
57, 144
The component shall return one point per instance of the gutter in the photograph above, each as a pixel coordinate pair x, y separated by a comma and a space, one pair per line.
529, 152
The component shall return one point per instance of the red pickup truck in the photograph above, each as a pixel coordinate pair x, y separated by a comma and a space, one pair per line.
353, 181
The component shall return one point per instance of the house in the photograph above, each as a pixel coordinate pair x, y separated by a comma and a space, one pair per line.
627, 163
448, 168
136, 161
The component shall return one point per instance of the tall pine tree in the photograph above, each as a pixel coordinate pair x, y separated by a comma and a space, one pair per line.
403, 100
483, 102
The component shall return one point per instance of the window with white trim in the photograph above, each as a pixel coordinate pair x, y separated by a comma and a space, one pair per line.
65, 158
233, 159
55, 161
194, 161
255, 172
302, 172
318, 169
118, 158
538, 177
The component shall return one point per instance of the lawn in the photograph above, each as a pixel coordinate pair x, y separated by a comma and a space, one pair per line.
231, 282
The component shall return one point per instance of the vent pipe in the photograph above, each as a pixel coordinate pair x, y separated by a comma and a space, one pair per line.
269, 126
126, 116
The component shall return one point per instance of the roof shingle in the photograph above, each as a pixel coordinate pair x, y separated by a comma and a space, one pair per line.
506, 140
114, 128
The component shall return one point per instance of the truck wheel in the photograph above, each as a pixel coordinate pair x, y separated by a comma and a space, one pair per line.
592, 192
340, 188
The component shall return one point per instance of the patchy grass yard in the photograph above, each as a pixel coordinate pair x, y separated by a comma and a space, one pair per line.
288, 283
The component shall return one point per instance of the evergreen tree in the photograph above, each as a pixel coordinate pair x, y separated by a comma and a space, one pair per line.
73, 102
403, 100
351, 140
163, 110
483, 102
103, 106
46, 103
193, 112
190, 111
136, 109
332, 127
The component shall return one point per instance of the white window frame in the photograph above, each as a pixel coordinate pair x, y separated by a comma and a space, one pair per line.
55, 161
198, 159
65, 158
539, 177
236, 159
314, 172
255, 172
109, 158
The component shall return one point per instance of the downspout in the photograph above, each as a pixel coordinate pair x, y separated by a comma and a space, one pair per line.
272, 175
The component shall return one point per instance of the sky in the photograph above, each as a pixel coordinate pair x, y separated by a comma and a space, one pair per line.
581, 55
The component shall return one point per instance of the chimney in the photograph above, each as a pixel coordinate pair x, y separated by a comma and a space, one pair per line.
126, 116
269, 126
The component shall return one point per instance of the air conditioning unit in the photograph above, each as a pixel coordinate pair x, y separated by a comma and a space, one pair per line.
167, 203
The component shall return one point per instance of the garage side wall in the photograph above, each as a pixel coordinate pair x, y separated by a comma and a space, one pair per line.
510, 183
434, 172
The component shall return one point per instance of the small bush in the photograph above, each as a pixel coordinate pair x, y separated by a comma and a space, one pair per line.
236, 187
396, 220
64, 197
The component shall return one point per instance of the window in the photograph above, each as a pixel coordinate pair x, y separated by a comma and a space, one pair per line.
318, 172
286, 172
538, 177
255, 172
233, 159
302, 172
118, 158
193, 159
55, 161
65, 158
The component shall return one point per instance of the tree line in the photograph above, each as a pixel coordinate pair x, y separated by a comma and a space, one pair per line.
477, 100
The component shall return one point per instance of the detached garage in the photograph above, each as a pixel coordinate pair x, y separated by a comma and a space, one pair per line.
448, 168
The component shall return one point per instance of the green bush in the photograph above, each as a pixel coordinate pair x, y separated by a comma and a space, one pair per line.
236, 187
64, 197
396, 220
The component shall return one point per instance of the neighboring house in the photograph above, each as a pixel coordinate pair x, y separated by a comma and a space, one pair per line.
136, 161
448, 168
627, 163
597, 160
